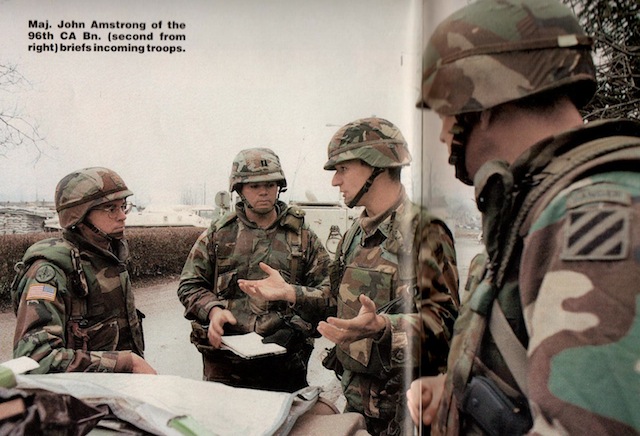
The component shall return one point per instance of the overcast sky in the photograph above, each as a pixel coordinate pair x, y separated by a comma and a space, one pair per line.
284, 74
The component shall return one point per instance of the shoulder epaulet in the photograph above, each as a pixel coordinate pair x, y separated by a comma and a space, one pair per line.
294, 217
55, 250
296, 211
59, 252
223, 221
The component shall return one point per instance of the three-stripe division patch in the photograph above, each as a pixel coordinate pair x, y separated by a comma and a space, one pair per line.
596, 234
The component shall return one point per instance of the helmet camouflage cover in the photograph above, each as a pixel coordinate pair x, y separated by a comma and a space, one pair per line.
495, 51
376, 141
80, 191
255, 165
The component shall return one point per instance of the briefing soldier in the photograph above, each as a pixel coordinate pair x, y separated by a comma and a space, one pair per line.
394, 277
261, 237
548, 343
72, 295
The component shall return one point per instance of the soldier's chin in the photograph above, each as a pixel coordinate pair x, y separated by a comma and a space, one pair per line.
117, 235
263, 210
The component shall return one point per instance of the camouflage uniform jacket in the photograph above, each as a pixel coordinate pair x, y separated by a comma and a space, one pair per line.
406, 255
562, 242
75, 307
232, 248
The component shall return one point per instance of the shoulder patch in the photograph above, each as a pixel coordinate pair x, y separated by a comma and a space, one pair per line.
45, 273
596, 234
41, 291
600, 193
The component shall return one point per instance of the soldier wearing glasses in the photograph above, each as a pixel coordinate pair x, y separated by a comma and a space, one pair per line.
72, 295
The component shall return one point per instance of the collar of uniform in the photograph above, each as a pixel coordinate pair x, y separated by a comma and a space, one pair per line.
281, 210
381, 221
85, 239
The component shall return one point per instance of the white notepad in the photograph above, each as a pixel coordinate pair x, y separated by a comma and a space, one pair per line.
250, 346
20, 365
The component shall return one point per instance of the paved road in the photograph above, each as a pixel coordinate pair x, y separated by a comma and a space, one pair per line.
167, 333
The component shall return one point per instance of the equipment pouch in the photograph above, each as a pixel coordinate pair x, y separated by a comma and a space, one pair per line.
199, 337
332, 363
492, 410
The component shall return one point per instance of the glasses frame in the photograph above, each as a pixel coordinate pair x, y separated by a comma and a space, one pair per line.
113, 210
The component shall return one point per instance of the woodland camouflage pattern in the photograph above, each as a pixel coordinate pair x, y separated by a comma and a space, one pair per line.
560, 227
256, 165
375, 141
241, 246
560, 224
570, 289
408, 253
250, 246
495, 51
82, 190
110, 330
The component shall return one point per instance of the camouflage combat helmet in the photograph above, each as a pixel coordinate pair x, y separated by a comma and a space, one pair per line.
82, 190
256, 165
495, 51
375, 141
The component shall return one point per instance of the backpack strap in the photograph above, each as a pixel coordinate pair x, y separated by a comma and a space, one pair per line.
511, 349
298, 240
337, 268
214, 244
559, 174
78, 299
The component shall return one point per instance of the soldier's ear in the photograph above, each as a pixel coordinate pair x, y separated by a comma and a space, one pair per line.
486, 116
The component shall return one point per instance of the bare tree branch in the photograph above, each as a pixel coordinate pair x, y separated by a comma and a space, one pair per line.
615, 26
16, 130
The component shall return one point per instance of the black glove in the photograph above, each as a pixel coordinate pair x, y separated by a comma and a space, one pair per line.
283, 337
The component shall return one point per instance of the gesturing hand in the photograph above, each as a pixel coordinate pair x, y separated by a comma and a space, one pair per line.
272, 288
367, 324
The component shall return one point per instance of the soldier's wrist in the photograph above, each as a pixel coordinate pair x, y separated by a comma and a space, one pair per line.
213, 311
290, 294
381, 322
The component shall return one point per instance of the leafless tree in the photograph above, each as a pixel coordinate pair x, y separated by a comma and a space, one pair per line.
16, 129
615, 26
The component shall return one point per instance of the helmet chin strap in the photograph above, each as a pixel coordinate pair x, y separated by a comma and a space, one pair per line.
249, 206
98, 231
460, 131
365, 188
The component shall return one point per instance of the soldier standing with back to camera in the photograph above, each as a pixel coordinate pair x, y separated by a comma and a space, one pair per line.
261, 237
72, 296
549, 341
